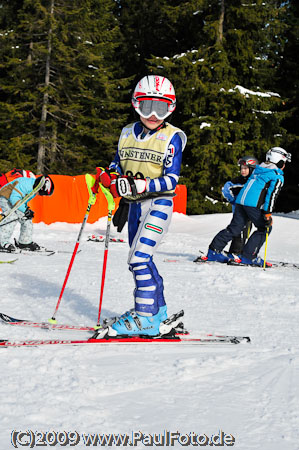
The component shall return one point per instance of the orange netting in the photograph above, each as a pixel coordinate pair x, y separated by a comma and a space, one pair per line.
70, 199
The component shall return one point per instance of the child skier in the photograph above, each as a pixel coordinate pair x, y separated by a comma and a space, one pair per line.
230, 192
254, 202
10, 194
148, 161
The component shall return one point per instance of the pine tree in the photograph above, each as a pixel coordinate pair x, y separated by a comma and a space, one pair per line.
15, 139
62, 98
68, 69
225, 101
145, 29
287, 81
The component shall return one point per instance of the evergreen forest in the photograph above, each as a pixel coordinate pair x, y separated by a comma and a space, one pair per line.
68, 68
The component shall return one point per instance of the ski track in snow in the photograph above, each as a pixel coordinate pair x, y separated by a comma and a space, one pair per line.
250, 390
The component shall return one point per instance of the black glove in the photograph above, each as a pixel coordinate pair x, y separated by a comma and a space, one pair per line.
29, 214
268, 219
121, 216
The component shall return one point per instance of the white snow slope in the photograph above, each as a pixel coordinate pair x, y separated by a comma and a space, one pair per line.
248, 391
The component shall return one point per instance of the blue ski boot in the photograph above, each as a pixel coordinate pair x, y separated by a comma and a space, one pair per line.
133, 324
214, 255
242, 260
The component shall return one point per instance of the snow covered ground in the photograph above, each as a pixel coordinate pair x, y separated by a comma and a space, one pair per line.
249, 391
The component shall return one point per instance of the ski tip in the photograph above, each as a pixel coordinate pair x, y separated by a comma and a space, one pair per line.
242, 340
52, 320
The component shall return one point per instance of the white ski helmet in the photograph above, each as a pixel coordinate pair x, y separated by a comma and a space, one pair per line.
154, 95
278, 156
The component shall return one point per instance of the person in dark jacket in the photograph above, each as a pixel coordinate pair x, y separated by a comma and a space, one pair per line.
255, 202
230, 192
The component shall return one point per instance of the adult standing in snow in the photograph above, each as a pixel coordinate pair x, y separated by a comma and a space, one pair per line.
10, 195
148, 163
255, 202
230, 192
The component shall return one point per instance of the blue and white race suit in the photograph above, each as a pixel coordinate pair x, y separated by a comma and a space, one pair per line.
157, 157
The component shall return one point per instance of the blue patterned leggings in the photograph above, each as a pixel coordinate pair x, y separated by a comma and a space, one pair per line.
148, 223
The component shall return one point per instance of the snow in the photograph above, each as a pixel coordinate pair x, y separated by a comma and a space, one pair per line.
249, 391
204, 124
247, 92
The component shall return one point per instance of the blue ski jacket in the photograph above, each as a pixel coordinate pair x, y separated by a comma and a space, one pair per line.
23, 186
232, 188
262, 188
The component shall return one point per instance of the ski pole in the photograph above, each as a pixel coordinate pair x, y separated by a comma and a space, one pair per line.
111, 206
266, 245
14, 220
92, 186
11, 221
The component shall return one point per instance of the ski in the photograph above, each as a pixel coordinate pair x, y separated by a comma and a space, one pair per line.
9, 262
24, 200
284, 264
203, 259
65, 251
171, 331
209, 340
44, 325
269, 264
9, 320
101, 238
43, 251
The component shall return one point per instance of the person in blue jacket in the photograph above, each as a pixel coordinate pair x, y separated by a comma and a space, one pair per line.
255, 202
230, 192
10, 194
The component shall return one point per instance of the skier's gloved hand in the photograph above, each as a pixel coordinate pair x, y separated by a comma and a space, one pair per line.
268, 219
105, 176
29, 214
127, 186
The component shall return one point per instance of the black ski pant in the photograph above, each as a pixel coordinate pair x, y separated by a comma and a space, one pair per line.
241, 216
238, 242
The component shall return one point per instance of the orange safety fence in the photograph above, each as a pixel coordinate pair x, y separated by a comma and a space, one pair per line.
70, 199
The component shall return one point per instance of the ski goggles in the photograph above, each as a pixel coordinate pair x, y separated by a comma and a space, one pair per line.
158, 107
287, 156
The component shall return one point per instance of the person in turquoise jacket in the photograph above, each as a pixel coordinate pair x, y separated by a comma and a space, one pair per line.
255, 202
10, 194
